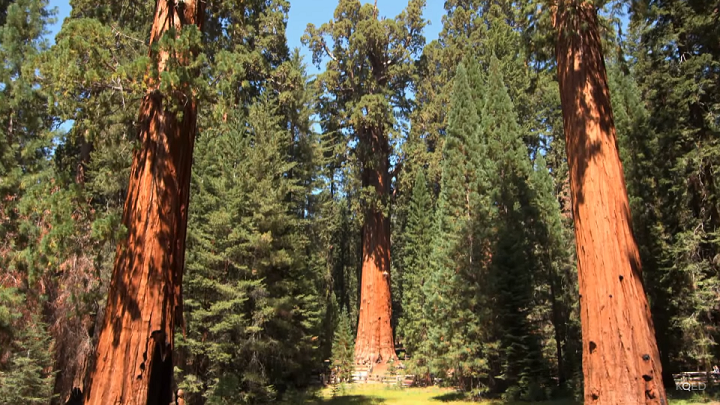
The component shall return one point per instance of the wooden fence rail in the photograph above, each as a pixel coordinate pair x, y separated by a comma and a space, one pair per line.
697, 377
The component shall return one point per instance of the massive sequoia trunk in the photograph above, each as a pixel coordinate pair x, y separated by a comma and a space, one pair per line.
134, 358
374, 343
621, 363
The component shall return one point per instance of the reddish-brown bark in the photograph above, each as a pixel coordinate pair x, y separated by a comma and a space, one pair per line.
621, 363
133, 362
374, 342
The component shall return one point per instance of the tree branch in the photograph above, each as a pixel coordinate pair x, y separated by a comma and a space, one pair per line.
397, 169
119, 33
328, 52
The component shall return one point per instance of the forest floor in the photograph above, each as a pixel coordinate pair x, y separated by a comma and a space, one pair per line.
377, 394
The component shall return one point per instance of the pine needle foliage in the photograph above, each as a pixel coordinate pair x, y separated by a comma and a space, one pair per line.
343, 349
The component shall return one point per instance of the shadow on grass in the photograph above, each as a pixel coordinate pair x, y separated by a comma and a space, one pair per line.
560, 401
450, 397
352, 400
548, 402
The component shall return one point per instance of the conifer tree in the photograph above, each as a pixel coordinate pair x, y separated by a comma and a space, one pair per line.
29, 378
513, 260
26, 137
675, 60
416, 255
453, 290
554, 269
461, 37
345, 259
638, 146
92, 76
250, 284
26, 348
468, 183
343, 348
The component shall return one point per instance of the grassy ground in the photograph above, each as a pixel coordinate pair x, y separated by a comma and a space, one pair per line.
376, 394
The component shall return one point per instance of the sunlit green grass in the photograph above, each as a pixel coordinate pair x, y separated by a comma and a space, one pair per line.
372, 394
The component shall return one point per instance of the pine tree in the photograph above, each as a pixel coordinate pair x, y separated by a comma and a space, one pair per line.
554, 270
453, 301
504, 41
29, 378
417, 251
254, 279
513, 266
346, 260
675, 64
27, 192
343, 348
26, 136
460, 38
216, 293
555, 310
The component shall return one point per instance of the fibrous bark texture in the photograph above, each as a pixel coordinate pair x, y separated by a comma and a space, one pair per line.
374, 343
133, 363
621, 363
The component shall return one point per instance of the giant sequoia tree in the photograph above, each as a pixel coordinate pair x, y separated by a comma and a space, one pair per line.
134, 361
369, 71
621, 361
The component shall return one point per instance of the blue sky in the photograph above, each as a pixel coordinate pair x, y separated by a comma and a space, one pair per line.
303, 12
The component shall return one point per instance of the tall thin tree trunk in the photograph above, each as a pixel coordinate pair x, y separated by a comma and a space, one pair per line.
134, 358
374, 343
621, 362
85, 150
558, 324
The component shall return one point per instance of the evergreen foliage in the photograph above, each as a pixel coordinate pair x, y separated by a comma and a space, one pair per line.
363, 99
416, 270
556, 285
453, 290
26, 134
666, 101
484, 283
28, 377
513, 261
31, 222
251, 284
343, 349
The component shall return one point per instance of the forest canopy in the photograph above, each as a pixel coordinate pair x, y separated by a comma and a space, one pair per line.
221, 221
